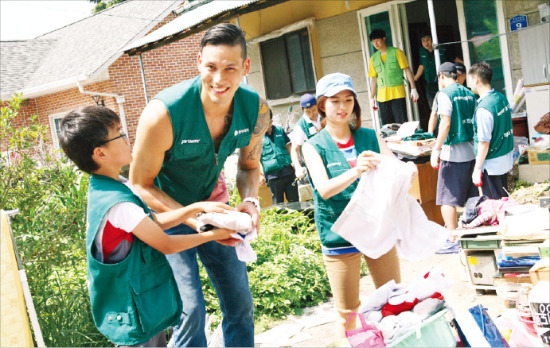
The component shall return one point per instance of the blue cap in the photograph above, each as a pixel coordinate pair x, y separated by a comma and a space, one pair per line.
332, 84
307, 100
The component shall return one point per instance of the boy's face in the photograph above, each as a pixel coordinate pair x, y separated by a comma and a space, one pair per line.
311, 112
221, 68
427, 42
379, 43
473, 82
118, 147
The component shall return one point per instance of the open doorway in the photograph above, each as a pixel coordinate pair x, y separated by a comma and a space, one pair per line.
447, 31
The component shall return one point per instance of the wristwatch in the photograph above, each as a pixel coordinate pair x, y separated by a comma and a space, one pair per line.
254, 201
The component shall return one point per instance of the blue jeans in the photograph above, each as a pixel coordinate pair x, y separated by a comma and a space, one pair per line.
230, 280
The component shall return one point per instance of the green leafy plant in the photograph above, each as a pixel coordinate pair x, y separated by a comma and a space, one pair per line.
50, 194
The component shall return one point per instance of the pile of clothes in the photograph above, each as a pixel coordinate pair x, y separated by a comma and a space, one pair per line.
394, 309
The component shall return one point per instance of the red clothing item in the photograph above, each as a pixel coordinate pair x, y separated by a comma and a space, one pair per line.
389, 309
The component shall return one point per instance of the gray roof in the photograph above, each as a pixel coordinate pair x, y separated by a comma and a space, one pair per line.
86, 47
20, 59
205, 14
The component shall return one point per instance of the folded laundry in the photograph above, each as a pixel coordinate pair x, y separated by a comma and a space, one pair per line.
396, 325
369, 221
236, 221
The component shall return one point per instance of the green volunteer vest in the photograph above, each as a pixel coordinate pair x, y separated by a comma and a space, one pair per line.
462, 118
191, 166
427, 60
135, 299
274, 154
327, 211
306, 126
502, 139
389, 73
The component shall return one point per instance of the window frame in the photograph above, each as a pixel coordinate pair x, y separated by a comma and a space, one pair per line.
307, 24
53, 129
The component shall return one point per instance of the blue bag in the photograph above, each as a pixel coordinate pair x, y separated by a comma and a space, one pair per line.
487, 326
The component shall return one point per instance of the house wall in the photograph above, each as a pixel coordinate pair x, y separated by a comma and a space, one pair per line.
511, 9
335, 43
163, 67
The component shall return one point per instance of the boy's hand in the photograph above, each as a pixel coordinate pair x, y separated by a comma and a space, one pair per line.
224, 234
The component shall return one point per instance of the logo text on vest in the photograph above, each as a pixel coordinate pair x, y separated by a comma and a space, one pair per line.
190, 141
333, 164
241, 131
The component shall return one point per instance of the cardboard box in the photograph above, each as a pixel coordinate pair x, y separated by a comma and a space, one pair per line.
538, 156
540, 271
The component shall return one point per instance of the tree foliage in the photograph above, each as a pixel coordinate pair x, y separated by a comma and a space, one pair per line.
101, 5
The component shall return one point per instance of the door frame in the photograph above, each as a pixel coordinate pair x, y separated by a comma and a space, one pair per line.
504, 53
399, 28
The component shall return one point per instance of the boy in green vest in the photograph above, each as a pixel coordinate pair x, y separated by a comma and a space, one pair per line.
453, 151
306, 127
276, 164
183, 138
386, 68
133, 293
494, 139
427, 65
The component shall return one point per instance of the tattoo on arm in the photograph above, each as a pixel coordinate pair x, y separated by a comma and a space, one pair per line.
256, 152
263, 119
227, 124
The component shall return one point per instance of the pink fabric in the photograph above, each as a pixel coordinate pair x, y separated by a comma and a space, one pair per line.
365, 336
489, 210
220, 192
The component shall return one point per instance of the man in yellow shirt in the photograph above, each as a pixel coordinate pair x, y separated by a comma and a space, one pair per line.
386, 68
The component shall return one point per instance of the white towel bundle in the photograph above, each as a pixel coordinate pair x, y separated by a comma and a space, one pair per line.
236, 221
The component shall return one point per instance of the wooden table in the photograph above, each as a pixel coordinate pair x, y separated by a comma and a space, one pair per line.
424, 189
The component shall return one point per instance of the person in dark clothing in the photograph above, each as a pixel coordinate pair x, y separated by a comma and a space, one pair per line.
277, 165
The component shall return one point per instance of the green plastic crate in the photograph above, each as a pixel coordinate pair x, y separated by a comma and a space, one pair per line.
434, 332
473, 243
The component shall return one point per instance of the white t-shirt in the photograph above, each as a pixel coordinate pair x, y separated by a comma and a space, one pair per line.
462, 152
298, 136
114, 239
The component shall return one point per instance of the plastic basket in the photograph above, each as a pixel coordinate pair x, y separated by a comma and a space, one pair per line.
434, 332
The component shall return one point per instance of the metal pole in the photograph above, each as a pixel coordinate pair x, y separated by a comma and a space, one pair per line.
143, 79
433, 26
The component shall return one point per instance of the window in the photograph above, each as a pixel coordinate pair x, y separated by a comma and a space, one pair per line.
287, 65
55, 122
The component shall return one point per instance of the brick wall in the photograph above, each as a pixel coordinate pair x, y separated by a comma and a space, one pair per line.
163, 67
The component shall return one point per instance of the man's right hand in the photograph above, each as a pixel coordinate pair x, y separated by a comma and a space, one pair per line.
434, 159
373, 104
301, 172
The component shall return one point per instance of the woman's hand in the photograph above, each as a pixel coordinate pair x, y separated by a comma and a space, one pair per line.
366, 161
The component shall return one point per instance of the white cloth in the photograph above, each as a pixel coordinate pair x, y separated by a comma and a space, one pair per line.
381, 214
236, 221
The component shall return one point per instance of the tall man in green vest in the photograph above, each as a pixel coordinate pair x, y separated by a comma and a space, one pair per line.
183, 138
386, 69
453, 151
494, 140
277, 165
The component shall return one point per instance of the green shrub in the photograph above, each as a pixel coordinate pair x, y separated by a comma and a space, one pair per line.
49, 229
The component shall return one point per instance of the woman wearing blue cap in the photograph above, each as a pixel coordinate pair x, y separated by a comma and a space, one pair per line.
335, 158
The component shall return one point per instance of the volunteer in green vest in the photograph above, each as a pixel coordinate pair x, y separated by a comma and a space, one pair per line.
277, 165
453, 151
386, 67
427, 65
494, 139
183, 138
133, 293
307, 126
335, 159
